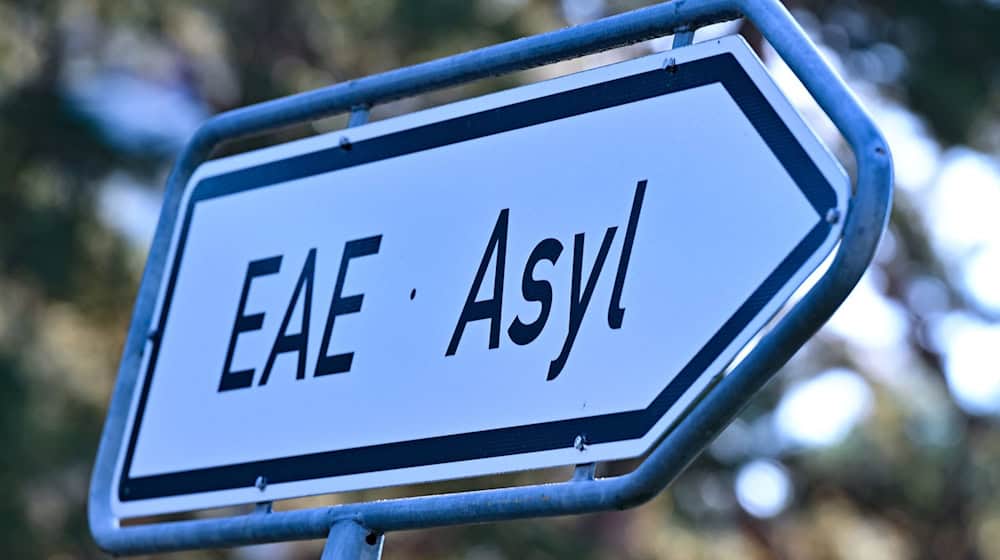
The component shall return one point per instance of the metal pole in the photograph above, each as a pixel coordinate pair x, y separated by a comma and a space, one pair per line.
349, 540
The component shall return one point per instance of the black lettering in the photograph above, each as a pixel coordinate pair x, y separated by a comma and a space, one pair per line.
341, 363
536, 290
245, 323
616, 313
488, 308
578, 302
294, 342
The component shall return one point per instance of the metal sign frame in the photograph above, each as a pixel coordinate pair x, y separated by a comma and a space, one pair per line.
356, 530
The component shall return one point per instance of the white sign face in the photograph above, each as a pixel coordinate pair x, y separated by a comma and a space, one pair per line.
468, 289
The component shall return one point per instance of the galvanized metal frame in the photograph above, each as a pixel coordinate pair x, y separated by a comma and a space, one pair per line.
348, 525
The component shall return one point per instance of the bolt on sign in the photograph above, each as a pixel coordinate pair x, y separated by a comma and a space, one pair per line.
538, 277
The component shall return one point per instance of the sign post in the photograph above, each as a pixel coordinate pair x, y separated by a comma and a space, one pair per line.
534, 278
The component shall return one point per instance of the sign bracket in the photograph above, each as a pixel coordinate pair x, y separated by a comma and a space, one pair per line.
683, 37
349, 527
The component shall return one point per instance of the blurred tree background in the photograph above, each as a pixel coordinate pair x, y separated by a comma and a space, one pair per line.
879, 440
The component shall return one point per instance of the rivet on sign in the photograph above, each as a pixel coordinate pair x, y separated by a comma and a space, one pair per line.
580, 443
832, 216
670, 65
261, 483
345, 143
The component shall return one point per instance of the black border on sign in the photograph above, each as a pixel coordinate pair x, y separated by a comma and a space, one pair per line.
723, 69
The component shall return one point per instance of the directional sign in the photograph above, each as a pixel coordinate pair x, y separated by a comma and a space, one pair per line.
544, 276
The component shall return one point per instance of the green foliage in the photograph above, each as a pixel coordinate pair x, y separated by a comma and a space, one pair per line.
68, 277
